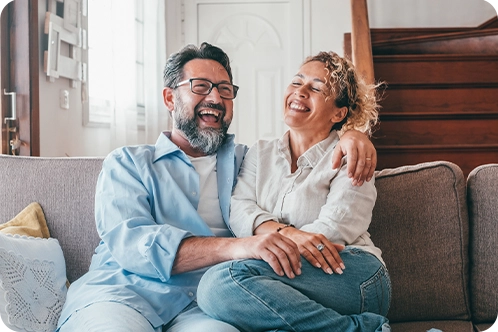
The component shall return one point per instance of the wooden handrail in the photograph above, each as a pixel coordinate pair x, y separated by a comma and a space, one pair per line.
361, 44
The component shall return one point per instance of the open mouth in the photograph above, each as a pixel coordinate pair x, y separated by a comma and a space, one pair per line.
298, 107
210, 116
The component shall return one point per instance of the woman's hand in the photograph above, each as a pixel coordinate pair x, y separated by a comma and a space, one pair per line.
317, 249
361, 154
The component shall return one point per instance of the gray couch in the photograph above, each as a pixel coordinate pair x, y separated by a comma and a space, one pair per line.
438, 232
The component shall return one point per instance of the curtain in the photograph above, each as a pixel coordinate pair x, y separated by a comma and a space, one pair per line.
126, 58
157, 118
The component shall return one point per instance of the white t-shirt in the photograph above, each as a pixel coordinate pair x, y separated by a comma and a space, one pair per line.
209, 203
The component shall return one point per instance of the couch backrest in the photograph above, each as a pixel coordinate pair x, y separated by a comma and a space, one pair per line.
65, 189
420, 222
482, 195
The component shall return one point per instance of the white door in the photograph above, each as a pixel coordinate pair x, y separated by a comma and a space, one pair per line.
264, 40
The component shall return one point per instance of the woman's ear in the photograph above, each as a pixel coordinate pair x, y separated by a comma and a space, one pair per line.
169, 98
340, 114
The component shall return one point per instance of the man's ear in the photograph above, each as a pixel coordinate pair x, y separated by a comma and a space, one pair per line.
169, 98
340, 114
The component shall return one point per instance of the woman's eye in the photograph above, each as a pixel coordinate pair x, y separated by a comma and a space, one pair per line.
316, 89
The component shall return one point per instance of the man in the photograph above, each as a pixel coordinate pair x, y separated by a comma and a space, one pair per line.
162, 211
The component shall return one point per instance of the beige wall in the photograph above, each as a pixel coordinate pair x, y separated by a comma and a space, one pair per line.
61, 131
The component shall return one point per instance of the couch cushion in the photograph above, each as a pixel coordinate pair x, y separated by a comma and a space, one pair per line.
444, 326
420, 222
482, 186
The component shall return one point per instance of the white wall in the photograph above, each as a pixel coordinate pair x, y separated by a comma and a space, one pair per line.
62, 132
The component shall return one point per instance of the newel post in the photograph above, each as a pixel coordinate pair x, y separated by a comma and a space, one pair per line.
361, 44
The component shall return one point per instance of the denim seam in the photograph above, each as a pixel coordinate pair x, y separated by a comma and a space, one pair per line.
382, 271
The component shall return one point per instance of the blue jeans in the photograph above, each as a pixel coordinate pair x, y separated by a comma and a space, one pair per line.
248, 294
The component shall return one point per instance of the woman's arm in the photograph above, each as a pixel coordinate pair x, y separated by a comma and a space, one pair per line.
361, 155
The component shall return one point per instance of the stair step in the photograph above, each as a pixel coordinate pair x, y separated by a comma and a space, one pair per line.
475, 42
390, 35
437, 131
443, 69
386, 35
427, 100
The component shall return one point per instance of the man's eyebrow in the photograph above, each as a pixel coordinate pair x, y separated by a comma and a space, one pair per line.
207, 79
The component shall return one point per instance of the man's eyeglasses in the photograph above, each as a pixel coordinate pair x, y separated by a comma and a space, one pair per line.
201, 86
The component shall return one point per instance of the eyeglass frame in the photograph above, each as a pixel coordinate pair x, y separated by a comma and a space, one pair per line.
213, 85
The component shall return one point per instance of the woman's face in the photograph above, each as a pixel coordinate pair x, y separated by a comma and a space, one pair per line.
309, 103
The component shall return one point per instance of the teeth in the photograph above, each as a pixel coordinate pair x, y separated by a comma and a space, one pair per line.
297, 106
209, 112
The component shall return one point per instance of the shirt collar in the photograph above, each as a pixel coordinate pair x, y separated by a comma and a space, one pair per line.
314, 154
164, 146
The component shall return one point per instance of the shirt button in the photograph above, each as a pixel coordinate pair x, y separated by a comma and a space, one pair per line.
228, 180
194, 193
190, 294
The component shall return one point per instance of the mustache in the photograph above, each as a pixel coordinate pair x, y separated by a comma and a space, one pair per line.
218, 107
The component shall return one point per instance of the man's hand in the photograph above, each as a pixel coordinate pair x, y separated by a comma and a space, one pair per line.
361, 155
277, 250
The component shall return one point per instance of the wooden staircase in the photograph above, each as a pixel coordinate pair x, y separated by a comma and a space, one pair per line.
441, 100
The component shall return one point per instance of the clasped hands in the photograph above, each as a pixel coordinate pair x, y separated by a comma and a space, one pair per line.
283, 250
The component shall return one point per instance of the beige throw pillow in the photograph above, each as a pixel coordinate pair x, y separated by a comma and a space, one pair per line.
30, 222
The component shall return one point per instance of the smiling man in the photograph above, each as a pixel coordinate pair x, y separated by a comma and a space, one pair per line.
202, 130
162, 211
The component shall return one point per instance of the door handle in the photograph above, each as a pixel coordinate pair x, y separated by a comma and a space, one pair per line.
13, 115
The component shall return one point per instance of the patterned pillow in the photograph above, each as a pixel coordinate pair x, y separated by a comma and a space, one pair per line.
32, 277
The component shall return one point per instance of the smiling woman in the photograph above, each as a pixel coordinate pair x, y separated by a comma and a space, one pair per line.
287, 187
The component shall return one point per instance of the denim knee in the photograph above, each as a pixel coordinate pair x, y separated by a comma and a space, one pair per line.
212, 287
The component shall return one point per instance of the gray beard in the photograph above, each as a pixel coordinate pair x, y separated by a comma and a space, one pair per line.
207, 140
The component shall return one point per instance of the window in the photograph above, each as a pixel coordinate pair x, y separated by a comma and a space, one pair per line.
115, 35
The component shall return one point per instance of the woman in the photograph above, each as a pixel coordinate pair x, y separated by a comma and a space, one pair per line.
287, 186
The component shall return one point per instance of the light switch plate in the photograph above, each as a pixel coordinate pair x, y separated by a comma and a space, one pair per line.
64, 99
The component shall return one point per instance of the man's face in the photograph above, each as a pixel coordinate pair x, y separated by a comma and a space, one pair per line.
203, 119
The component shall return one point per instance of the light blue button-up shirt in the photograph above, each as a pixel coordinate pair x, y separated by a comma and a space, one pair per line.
145, 205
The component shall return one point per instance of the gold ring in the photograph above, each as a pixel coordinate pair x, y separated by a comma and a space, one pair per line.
368, 158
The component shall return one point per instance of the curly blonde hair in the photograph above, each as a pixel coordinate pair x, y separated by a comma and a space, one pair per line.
350, 91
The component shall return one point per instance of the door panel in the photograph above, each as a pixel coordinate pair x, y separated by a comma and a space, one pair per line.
20, 70
264, 41
4, 74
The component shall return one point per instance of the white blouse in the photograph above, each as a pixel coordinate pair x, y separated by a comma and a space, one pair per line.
315, 198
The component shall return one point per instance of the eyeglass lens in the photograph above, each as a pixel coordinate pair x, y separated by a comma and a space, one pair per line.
204, 87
